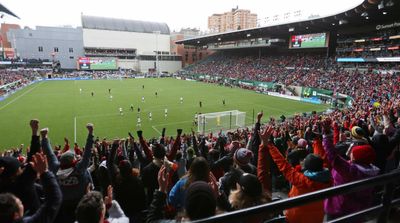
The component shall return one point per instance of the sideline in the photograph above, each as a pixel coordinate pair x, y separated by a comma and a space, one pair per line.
26, 92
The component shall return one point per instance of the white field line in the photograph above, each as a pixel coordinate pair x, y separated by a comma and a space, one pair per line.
156, 129
173, 123
74, 129
26, 92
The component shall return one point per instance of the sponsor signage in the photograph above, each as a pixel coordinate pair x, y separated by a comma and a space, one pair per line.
387, 26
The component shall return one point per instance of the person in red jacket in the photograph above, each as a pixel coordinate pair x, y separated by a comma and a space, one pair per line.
314, 177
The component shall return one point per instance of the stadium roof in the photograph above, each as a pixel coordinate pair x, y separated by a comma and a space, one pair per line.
368, 12
103, 23
5, 10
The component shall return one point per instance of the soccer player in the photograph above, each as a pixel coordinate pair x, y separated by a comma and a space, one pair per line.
92, 93
195, 119
111, 97
223, 102
139, 122
80, 90
181, 100
201, 104
120, 111
143, 87
109, 90
131, 107
138, 110
156, 94
166, 113
142, 98
150, 116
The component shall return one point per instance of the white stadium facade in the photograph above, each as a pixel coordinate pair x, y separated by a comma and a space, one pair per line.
133, 43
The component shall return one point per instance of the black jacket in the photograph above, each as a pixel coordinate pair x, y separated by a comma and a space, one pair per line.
53, 197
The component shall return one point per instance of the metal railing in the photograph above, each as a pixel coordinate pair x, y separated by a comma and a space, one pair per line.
378, 211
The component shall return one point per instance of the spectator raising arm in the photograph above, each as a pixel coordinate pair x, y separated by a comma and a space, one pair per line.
52, 160
53, 197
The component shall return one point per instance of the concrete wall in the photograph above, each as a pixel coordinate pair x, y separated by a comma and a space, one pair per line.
145, 43
28, 41
165, 66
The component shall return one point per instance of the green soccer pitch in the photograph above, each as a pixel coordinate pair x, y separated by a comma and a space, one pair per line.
61, 106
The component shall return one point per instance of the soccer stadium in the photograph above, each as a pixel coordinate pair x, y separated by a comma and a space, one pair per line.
125, 120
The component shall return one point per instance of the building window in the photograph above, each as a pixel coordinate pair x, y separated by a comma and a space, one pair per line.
55, 49
71, 50
71, 58
40, 48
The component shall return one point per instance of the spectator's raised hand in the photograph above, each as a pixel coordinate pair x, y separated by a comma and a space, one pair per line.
44, 132
39, 163
34, 123
140, 133
259, 116
179, 131
90, 128
163, 179
266, 134
212, 181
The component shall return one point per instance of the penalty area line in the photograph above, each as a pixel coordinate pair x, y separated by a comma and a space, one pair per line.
156, 129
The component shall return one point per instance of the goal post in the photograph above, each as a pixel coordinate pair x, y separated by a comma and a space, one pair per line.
226, 120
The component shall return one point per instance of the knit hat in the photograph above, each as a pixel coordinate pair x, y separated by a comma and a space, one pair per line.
10, 165
158, 151
357, 132
242, 156
67, 160
302, 143
250, 185
313, 163
363, 154
200, 201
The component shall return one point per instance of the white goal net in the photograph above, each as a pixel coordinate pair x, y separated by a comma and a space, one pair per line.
226, 120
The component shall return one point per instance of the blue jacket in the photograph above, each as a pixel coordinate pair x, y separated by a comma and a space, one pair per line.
177, 194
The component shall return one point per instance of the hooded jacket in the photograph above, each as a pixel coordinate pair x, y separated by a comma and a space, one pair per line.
344, 171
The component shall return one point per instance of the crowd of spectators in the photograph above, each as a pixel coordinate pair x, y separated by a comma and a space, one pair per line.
305, 71
190, 176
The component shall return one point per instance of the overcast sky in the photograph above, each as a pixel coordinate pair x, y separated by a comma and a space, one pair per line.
176, 13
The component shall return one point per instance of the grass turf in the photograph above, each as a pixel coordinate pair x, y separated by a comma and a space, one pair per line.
58, 103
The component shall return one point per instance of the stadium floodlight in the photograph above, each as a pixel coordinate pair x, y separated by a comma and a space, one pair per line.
157, 64
342, 22
381, 5
226, 120
384, 13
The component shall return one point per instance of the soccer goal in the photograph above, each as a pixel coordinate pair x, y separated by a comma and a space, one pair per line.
226, 120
